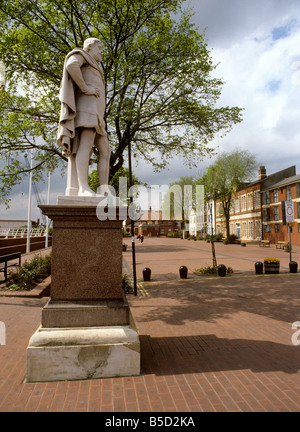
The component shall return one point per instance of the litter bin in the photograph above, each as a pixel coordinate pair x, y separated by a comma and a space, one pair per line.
146, 274
259, 267
221, 270
183, 271
293, 267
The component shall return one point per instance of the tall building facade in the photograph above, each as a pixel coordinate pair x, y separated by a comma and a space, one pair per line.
256, 212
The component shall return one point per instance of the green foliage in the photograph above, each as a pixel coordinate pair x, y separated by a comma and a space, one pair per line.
114, 182
212, 270
126, 285
226, 176
160, 93
174, 235
232, 238
208, 270
30, 273
177, 201
214, 238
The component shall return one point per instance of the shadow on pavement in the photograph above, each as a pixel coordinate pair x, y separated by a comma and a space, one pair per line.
207, 299
208, 353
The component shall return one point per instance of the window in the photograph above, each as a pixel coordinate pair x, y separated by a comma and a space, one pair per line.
257, 229
170, 222
162, 222
267, 228
243, 202
250, 201
238, 230
277, 228
237, 205
244, 229
298, 227
298, 210
257, 199
250, 229
266, 214
162, 231
288, 193
275, 195
298, 190
276, 213
266, 197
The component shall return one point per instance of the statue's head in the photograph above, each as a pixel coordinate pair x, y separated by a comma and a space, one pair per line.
94, 47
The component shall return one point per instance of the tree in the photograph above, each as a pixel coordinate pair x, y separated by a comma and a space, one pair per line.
160, 95
122, 172
179, 200
226, 176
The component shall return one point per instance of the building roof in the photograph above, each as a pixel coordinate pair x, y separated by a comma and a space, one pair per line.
286, 181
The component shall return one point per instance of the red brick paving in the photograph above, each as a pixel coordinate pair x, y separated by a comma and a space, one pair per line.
207, 343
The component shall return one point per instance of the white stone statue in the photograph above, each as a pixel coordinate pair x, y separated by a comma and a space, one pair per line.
81, 124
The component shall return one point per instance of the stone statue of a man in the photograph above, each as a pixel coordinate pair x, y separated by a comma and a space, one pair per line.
81, 124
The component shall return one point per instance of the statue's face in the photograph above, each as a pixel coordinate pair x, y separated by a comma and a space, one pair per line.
96, 51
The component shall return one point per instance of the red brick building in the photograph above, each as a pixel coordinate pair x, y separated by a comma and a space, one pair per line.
272, 218
256, 208
151, 224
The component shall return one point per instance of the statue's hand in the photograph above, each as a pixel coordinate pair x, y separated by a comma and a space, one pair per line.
92, 91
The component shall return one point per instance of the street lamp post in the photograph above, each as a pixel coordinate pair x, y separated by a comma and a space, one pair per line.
132, 222
29, 205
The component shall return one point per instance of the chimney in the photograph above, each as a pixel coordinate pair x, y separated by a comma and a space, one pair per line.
262, 172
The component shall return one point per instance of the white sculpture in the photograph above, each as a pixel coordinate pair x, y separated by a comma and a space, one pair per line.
81, 124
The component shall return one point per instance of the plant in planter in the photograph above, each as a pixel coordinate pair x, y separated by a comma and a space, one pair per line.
243, 244
271, 265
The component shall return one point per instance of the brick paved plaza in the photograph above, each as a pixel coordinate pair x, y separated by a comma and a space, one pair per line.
207, 343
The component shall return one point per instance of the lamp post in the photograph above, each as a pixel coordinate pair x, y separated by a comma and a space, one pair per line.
48, 202
132, 222
29, 204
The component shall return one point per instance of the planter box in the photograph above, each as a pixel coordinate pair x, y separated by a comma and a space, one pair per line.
271, 268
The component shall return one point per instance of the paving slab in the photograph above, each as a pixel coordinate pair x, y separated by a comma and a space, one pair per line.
208, 344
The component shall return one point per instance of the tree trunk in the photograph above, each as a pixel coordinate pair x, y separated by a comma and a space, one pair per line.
213, 253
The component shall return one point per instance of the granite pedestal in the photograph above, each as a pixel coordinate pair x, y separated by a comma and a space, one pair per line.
86, 328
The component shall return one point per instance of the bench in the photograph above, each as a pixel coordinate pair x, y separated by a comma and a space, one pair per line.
264, 243
281, 244
6, 259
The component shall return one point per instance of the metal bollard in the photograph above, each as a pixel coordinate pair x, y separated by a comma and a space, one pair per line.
293, 267
221, 270
183, 271
259, 267
146, 274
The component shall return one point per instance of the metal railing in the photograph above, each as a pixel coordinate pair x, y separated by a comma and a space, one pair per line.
22, 232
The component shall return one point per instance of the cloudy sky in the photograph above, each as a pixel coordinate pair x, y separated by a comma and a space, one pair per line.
256, 44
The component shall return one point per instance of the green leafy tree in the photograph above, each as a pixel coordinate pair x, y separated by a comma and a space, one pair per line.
161, 97
180, 199
122, 172
226, 176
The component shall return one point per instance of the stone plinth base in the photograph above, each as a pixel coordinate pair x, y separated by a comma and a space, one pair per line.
89, 313
86, 330
82, 353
